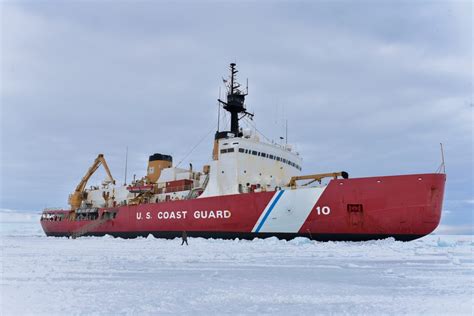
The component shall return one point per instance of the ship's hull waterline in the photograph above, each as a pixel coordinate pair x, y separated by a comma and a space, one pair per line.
405, 207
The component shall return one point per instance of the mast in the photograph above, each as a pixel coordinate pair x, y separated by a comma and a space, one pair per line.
126, 165
235, 104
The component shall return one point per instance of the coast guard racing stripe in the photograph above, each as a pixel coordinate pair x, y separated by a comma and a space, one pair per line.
287, 210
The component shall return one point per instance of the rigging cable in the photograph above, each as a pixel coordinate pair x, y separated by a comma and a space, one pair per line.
252, 124
195, 146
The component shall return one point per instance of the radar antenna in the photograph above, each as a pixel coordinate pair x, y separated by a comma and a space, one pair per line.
235, 101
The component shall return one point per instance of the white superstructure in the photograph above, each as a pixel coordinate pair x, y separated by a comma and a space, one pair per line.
246, 163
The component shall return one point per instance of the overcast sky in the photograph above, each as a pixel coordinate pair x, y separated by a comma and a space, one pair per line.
367, 87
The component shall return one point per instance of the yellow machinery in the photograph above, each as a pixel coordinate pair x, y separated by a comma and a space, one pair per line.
317, 177
76, 198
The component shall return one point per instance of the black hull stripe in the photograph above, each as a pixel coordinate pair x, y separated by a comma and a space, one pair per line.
249, 236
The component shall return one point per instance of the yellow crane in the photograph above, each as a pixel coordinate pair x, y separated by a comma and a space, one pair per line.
317, 177
76, 198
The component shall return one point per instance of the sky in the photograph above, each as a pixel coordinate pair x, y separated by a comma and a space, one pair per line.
369, 87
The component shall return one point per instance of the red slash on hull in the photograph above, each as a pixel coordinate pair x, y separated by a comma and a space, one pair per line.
404, 207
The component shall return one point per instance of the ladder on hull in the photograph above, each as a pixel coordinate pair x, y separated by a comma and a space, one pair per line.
89, 227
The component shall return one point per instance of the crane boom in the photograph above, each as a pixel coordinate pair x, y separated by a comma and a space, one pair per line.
76, 198
317, 177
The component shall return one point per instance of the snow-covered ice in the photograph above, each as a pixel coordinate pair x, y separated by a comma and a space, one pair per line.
93, 275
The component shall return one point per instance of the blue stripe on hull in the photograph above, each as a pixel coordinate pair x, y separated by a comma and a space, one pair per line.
279, 194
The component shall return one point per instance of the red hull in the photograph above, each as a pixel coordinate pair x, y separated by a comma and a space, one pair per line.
405, 207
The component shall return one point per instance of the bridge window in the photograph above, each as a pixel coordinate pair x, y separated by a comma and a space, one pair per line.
228, 150
262, 154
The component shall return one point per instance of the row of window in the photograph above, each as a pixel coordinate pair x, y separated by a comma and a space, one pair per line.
260, 154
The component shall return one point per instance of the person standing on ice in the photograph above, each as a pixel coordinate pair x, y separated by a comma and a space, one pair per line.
184, 236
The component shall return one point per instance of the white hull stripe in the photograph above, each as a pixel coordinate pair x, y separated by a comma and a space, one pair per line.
268, 209
286, 213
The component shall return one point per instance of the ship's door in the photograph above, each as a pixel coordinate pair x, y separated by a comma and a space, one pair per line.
355, 210
356, 214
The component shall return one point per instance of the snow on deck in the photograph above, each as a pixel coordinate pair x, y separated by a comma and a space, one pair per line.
93, 275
